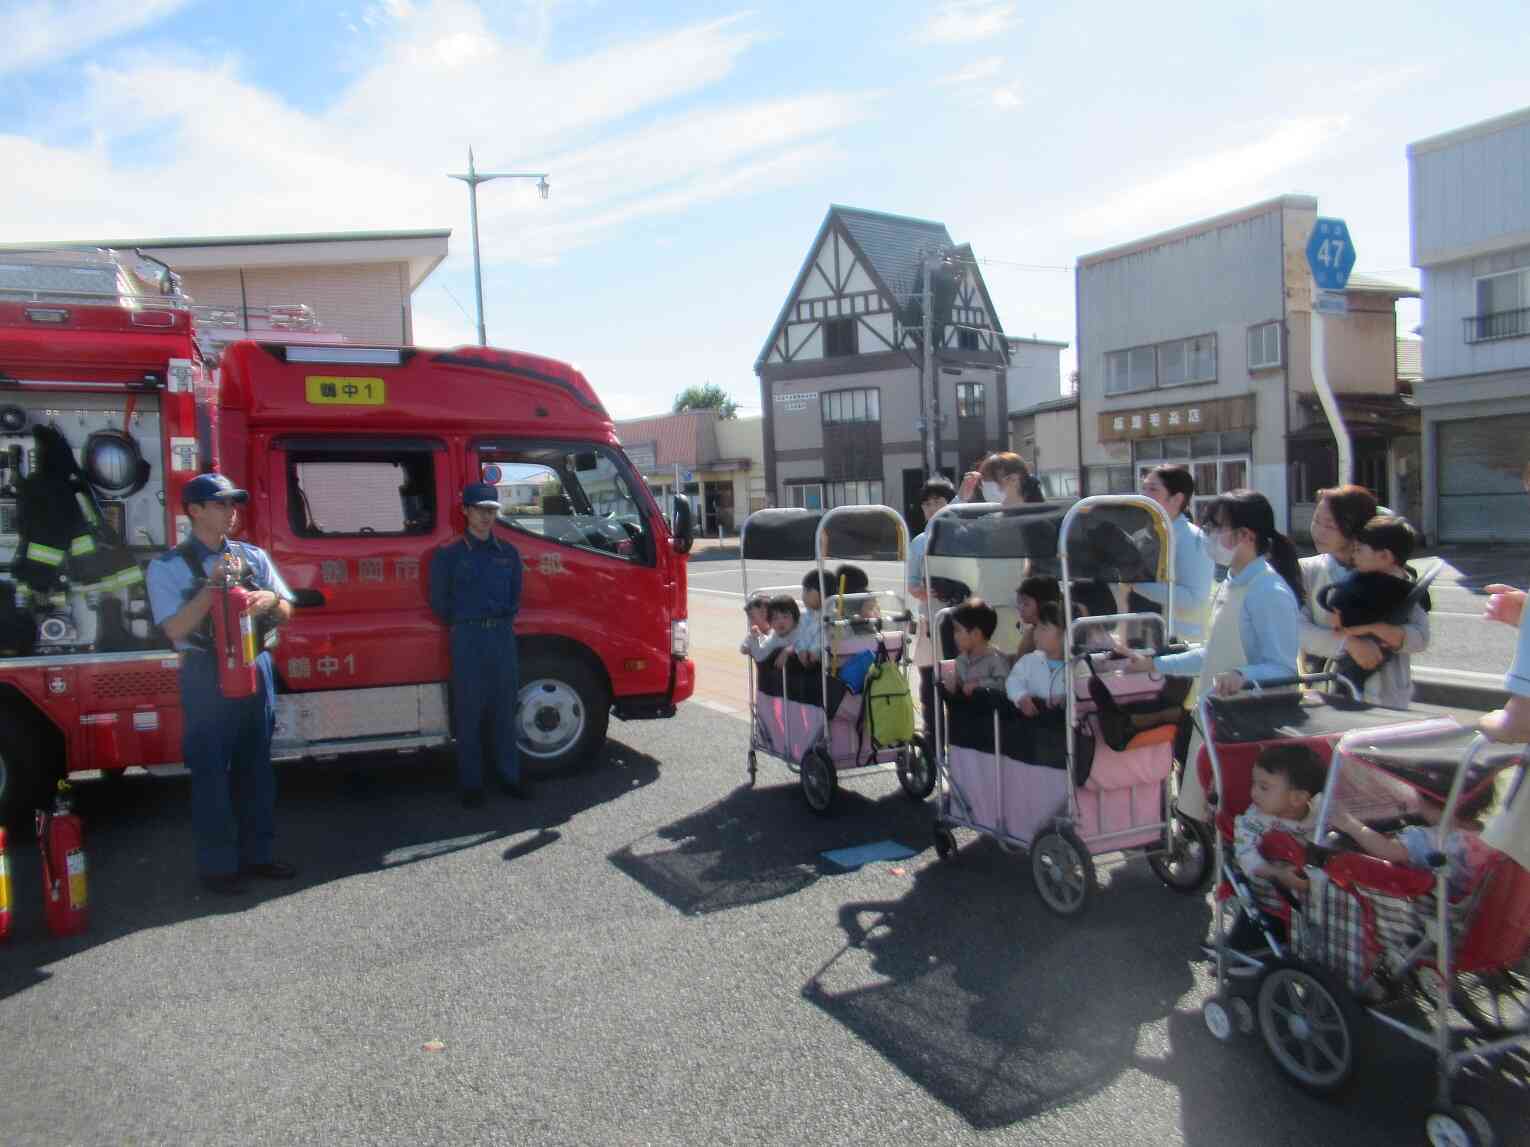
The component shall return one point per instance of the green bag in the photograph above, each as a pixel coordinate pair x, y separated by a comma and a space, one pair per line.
887, 706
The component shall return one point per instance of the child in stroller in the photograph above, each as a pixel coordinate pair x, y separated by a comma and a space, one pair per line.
1414, 844
978, 664
1286, 781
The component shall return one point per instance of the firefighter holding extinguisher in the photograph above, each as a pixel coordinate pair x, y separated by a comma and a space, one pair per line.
228, 722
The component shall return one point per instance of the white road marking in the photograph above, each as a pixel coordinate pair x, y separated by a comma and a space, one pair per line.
719, 707
717, 592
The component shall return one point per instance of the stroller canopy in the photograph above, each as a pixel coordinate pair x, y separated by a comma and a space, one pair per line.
861, 533
1123, 543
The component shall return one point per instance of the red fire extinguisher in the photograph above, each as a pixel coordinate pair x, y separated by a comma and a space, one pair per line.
5, 889
234, 639
61, 838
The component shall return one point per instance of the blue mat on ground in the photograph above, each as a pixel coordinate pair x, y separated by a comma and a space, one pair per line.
852, 858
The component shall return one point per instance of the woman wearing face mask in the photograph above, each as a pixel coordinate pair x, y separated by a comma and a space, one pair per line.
1342, 513
1252, 634
1001, 478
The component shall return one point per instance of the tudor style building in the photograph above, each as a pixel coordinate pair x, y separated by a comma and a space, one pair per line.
840, 374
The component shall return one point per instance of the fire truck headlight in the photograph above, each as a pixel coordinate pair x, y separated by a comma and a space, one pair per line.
679, 638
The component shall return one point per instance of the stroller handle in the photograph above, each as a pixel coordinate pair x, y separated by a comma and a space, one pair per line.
1257, 687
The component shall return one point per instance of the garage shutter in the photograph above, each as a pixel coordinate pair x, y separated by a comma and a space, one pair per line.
1480, 461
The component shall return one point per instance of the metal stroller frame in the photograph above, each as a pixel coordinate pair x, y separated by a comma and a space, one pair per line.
818, 771
1329, 1014
1062, 864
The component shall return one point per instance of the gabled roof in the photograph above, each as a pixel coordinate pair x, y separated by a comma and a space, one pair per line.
967, 258
892, 245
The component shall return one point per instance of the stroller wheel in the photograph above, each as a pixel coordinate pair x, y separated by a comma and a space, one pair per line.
1310, 1026
1458, 1126
945, 842
1186, 865
916, 771
1218, 1020
1496, 1003
1063, 871
819, 781
754, 766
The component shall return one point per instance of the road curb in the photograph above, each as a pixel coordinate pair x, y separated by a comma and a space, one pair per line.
1458, 688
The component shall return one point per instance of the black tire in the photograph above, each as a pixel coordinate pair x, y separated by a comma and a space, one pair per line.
820, 781
1311, 1026
916, 771
1063, 871
1186, 866
945, 842
26, 771
562, 713
1496, 1003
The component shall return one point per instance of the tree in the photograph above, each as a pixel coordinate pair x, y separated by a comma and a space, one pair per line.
708, 397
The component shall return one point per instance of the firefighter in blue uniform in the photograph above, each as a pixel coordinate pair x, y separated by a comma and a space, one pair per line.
226, 742
475, 588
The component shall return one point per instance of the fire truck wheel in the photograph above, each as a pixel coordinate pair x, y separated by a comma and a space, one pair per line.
564, 710
23, 768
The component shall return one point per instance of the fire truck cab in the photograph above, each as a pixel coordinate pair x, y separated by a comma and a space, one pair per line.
354, 457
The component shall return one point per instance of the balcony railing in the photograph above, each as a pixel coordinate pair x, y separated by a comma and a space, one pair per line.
1497, 325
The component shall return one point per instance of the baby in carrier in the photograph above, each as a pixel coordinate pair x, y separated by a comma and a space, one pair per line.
1415, 844
778, 642
1286, 782
1380, 591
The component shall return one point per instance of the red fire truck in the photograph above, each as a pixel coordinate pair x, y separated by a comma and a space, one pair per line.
354, 457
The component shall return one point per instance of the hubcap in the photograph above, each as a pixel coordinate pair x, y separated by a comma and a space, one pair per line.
551, 717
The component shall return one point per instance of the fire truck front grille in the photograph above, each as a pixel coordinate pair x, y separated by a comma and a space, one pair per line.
117, 682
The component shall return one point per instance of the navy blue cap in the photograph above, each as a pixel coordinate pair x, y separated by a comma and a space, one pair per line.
212, 488
480, 494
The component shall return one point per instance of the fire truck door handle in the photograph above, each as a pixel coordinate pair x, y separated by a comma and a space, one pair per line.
307, 598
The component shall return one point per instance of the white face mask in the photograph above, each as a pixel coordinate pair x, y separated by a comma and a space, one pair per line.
991, 492
1220, 551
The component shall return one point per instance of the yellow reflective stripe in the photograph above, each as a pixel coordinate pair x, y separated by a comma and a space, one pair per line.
82, 545
44, 555
87, 509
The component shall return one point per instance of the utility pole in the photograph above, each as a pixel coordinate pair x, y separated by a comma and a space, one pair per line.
928, 386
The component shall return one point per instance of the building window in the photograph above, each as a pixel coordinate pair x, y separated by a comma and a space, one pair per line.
1111, 480
1218, 462
966, 339
1503, 307
1264, 346
1185, 361
862, 493
804, 495
969, 400
839, 338
1129, 370
842, 406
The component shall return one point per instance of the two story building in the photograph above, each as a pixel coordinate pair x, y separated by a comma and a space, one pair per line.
717, 463
1470, 193
1194, 348
1043, 421
840, 373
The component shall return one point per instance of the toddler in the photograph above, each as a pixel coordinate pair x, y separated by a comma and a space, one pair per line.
1039, 678
978, 664
1464, 850
1376, 593
1287, 779
809, 631
1034, 592
780, 615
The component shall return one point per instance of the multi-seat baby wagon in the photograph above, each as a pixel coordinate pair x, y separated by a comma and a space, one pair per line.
1372, 943
851, 713
1075, 782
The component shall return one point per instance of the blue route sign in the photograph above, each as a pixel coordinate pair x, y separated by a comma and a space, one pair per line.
1330, 254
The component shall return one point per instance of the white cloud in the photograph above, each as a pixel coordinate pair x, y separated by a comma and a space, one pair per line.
46, 31
967, 22
1007, 98
1214, 182
976, 72
377, 157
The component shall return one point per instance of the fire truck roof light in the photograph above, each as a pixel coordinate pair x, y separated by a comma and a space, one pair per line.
360, 356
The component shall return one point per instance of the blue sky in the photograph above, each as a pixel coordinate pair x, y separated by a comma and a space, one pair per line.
694, 148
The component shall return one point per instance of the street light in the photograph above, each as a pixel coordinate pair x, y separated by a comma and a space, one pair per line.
473, 178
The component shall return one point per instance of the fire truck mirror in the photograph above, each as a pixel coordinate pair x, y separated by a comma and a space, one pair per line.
586, 461
684, 526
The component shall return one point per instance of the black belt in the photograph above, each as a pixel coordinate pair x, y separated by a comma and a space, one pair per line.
487, 622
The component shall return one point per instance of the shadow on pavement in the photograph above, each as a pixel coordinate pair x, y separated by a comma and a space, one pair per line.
997, 1008
758, 844
332, 821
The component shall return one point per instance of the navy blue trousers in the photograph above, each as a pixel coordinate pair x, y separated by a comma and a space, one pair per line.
485, 684
227, 747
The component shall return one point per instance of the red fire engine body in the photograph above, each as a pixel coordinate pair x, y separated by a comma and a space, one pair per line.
354, 458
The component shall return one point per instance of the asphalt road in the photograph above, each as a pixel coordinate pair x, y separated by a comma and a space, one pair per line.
647, 953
